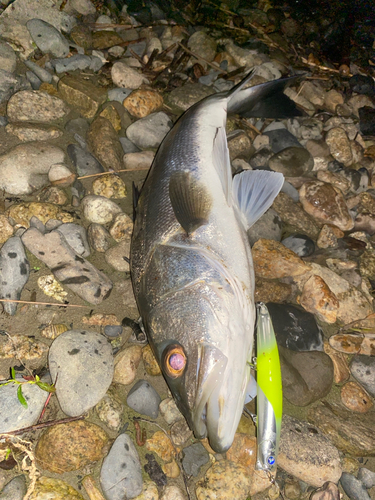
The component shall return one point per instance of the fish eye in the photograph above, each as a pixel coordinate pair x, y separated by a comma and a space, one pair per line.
174, 360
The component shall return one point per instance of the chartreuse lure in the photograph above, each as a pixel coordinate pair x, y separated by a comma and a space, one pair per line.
269, 392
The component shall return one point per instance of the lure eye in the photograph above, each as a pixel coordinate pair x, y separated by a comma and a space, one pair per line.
271, 460
174, 361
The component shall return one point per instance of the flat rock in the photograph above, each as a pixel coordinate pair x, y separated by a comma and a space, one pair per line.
353, 487
15, 489
308, 454
86, 442
68, 267
47, 38
144, 399
293, 214
36, 107
27, 132
351, 433
24, 168
85, 162
14, 272
363, 370
83, 364
307, 376
195, 456
121, 474
105, 144
224, 480
292, 162
149, 132
281, 139
355, 398
82, 95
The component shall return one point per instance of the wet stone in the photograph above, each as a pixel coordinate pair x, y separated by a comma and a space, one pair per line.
202, 44
300, 244
120, 474
355, 398
328, 236
184, 97
239, 144
144, 399
363, 370
260, 158
281, 139
15, 489
141, 103
122, 227
149, 132
70, 356
272, 291
47, 38
292, 162
161, 444
113, 331
98, 237
154, 470
85, 162
339, 145
353, 487
195, 456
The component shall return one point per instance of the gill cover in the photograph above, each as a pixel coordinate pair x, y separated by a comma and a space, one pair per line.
269, 393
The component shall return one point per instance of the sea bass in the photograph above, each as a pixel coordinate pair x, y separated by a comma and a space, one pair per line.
191, 262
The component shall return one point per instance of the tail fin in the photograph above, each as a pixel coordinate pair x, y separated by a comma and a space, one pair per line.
266, 100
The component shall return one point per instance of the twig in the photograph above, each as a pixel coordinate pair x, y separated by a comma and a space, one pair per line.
42, 425
215, 66
323, 68
123, 170
41, 303
141, 436
139, 59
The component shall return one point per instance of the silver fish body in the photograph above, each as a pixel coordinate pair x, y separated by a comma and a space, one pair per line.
192, 268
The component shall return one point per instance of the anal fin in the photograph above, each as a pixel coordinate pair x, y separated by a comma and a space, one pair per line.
191, 201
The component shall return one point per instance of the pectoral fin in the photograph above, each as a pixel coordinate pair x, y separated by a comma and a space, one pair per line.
191, 201
254, 192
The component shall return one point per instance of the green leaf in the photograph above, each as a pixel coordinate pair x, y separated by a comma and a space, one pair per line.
46, 387
37, 378
13, 372
20, 396
9, 451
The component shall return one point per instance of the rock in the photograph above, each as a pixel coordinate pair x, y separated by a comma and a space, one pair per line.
69, 357
99, 209
339, 145
353, 487
291, 213
329, 491
128, 146
172, 493
9, 84
337, 180
126, 364
105, 39
99, 319
332, 99
171, 469
269, 226
8, 58
110, 186
24, 168
239, 144
295, 328
68, 64
22, 213
367, 477
328, 236
52, 331
224, 480
105, 144
169, 411
15, 489
118, 256
54, 489
14, 272
203, 45
326, 203
300, 244
261, 158
98, 237
318, 299
180, 432
42, 74
307, 376
68, 267
110, 411
149, 492
32, 352
28, 132
150, 363
82, 95
355, 398
154, 470
357, 102
161, 444
141, 160
113, 331
85, 162
182, 98
47, 38
76, 237
35, 107
273, 260
351, 433
52, 288
243, 451
292, 161
307, 454
122, 227
363, 370
14, 415
121, 474
87, 443
125, 76
148, 132
143, 398
281, 139
341, 371
141, 103
119, 94
271, 291
116, 115
195, 456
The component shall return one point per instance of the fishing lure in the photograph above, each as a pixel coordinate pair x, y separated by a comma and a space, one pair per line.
269, 392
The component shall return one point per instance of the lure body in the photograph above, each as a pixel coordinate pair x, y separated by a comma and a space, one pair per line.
269, 392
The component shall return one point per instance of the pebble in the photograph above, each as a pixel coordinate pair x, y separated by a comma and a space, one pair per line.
295, 328
224, 480
8, 58
122, 227
99, 209
239, 145
70, 269
332, 99
28, 132
148, 132
15, 416
243, 451
76, 237
24, 168
300, 244
355, 398
6, 229
110, 186
195, 456
329, 236
329, 491
118, 256
292, 161
363, 370
161, 444
98, 237
121, 474
171, 469
273, 260
41, 73
47, 38
203, 45
15, 489
141, 103
367, 477
105, 144
339, 146
141, 160
149, 492
293, 214
357, 102
169, 411
119, 94
143, 398
110, 411
77, 388
82, 95
87, 443
341, 371
99, 319
318, 299
67, 64
353, 487
22, 213
307, 376
281, 139
155, 471
308, 454
172, 492
269, 226
113, 331
126, 364
149, 361
85, 162
14, 272
180, 432
127, 77
272, 291
54, 489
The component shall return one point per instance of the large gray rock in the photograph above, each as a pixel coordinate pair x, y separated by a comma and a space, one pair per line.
47, 38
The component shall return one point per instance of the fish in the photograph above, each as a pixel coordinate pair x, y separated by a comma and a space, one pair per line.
269, 393
191, 263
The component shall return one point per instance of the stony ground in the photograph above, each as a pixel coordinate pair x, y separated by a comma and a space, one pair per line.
87, 94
